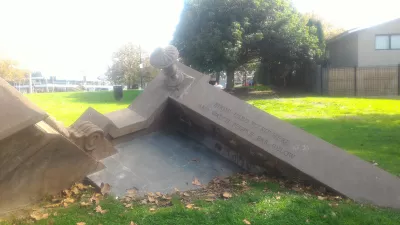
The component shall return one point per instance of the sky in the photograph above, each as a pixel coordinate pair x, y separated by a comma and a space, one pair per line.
73, 38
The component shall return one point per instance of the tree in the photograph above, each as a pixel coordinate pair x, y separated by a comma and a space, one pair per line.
214, 36
288, 44
328, 28
9, 71
126, 67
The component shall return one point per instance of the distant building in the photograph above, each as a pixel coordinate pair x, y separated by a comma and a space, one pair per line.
371, 46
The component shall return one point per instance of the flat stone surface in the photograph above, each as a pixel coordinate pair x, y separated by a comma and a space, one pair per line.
161, 161
124, 117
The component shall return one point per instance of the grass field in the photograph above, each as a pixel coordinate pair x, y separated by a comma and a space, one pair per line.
68, 106
368, 128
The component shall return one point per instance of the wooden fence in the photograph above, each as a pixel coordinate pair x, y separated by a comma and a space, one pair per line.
358, 81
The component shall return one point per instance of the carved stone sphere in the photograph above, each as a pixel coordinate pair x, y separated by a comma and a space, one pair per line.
164, 57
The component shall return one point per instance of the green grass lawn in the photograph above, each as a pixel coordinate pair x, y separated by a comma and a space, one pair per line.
263, 203
368, 128
68, 106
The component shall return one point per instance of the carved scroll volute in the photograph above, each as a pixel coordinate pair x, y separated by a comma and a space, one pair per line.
165, 59
87, 135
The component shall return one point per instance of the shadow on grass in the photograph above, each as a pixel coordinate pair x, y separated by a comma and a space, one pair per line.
103, 97
372, 137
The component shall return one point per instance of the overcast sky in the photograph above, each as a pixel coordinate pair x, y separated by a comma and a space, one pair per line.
77, 37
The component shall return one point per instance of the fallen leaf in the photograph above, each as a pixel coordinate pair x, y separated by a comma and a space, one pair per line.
85, 204
211, 195
189, 206
105, 189
53, 205
151, 194
128, 205
39, 216
65, 204
209, 199
278, 197
246, 221
152, 209
167, 197
80, 186
196, 182
55, 213
151, 199
131, 193
81, 223
67, 193
186, 194
126, 199
227, 195
69, 200
158, 194
100, 210
322, 198
176, 189
75, 190
297, 189
132, 223
95, 199
144, 201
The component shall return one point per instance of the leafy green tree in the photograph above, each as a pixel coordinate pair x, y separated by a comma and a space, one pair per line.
225, 35
130, 66
328, 28
288, 44
222, 35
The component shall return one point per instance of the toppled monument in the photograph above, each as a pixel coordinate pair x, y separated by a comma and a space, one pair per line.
181, 100
38, 155
179, 129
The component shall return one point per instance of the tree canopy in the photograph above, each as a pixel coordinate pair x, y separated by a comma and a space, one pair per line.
126, 67
224, 35
9, 70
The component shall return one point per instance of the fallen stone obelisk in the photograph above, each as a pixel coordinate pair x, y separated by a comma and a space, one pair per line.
38, 155
180, 98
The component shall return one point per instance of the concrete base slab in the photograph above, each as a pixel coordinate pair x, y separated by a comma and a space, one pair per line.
160, 162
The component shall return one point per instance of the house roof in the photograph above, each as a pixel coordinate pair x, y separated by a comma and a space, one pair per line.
356, 30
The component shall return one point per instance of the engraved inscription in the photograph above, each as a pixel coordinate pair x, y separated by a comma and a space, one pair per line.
244, 119
249, 133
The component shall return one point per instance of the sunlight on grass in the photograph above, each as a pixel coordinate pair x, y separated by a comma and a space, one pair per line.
368, 128
68, 106
323, 107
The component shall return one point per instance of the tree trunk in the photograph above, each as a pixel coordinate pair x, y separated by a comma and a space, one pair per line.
230, 77
218, 75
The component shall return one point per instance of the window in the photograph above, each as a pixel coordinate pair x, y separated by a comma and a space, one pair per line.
382, 42
387, 42
395, 41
